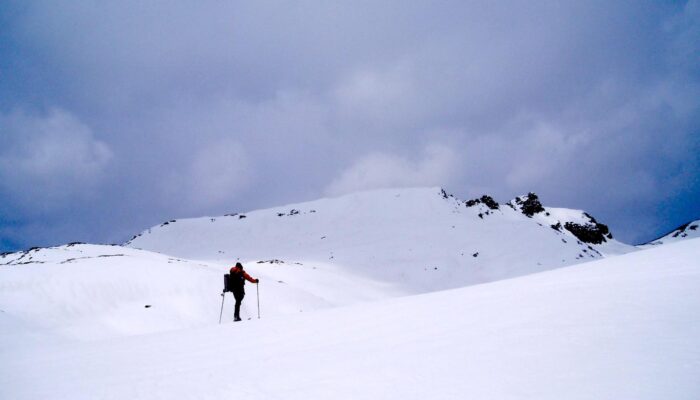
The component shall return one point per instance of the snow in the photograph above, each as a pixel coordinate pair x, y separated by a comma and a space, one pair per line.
624, 327
687, 231
396, 293
416, 238
553, 215
93, 292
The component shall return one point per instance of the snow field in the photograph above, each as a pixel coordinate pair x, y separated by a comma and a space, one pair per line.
619, 328
92, 292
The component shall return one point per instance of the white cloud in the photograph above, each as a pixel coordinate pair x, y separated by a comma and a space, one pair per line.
380, 170
47, 160
216, 173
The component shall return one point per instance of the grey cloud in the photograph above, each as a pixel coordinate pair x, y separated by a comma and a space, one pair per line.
438, 166
48, 160
211, 107
215, 174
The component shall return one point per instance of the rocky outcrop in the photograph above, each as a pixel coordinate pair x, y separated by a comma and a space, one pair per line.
528, 204
486, 200
593, 232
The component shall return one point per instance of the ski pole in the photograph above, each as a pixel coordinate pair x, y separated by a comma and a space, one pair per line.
222, 306
257, 290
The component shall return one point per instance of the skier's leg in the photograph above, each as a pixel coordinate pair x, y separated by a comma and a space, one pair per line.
237, 309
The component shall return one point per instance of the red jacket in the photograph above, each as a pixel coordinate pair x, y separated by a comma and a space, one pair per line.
235, 270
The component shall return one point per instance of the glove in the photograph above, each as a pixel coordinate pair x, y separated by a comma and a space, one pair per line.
257, 280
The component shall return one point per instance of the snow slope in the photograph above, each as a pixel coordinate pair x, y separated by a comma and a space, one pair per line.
329, 253
576, 223
686, 231
625, 327
92, 292
420, 239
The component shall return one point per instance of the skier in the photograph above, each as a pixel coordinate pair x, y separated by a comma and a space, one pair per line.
237, 282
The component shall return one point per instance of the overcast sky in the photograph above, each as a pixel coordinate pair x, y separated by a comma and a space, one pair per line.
115, 116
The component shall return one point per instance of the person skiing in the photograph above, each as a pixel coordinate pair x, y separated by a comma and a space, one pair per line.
237, 280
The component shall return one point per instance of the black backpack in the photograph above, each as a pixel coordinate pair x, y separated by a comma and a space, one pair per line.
233, 283
227, 285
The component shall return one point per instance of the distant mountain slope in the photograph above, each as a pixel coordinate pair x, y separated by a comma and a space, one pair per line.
620, 328
690, 230
421, 239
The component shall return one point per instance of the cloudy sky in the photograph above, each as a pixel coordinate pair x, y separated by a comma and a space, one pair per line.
115, 116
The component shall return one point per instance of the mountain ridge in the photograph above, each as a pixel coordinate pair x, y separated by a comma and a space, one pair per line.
391, 234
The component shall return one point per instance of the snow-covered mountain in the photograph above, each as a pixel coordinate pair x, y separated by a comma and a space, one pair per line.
420, 239
574, 222
686, 231
311, 256
85, 321
623, 327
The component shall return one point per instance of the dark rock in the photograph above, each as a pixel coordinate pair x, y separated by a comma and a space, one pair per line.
273, 261
486, 200
489, 202
530, 205
594, 232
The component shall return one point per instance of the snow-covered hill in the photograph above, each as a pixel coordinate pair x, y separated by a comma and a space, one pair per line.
91, 292
328, 253
420, 239
89, 321
619, 328
686, 231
